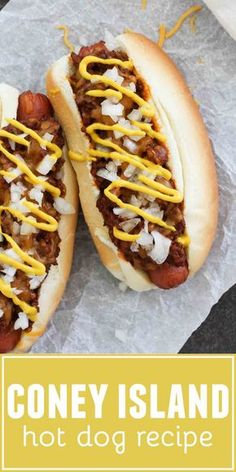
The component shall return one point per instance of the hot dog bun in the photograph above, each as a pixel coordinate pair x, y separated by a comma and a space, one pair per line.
53, 286
191, 159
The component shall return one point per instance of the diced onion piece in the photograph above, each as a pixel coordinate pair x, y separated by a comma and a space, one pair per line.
113, 74
135, 115
16, 291
22, 321
111, 109
20, 206
9, 270
125, 124
36, 193
110, 41
36, 280
155, 210
161, 248
16, 191
15, 227
47, 137
63, 207
134, 247
112, 166
130, 171
11, 253
46, 164
26, 228
131, 86
130, 145
12, 144
145, 240
124, 212
106, 174
1, 313
99, 147
134, 200
129, 225
16, 172
8, 279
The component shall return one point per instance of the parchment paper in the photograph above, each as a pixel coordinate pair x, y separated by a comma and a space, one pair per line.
94, 315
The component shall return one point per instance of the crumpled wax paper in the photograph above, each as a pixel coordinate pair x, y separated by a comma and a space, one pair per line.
94, 315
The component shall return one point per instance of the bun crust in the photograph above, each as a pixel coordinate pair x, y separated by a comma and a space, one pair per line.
191, 158
52, 288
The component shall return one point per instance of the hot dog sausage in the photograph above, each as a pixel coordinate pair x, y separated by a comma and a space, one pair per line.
168, 276
33, 106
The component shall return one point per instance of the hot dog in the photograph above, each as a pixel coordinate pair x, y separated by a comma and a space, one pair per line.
38, 213
143, 159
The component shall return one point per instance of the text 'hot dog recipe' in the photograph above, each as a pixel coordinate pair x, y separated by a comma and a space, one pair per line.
142, 157
38, 217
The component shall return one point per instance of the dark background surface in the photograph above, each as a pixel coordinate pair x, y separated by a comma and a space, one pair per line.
217, 334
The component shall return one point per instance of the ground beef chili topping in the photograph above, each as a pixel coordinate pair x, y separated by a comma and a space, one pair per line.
34, 112
174, 269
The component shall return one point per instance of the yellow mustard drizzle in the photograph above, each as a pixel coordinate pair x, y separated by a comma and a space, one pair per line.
164, 34
150, 187
105, 93
29, 265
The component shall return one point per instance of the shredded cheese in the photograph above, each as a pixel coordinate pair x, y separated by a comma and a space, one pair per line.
144, 4
164, 34
66, 40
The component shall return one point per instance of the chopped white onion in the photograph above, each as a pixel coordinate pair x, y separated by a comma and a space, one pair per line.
36, 281
154, 210
131, 86
16, 228
123, 212
16, 291
135, 201
101, 148
63, 207
11, 253
106, 174
47, 137
20, 206
27, 228
134, 247
130, 145
12, 144
16, 191
1, 313
129, 225
9, 270
110, 41
36, 193
111, 109
113, 74
15, 171
135, 115
130, 171
8, 279
22, 321
161, 248
112, 166
145, 240
46, 164
126, 124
